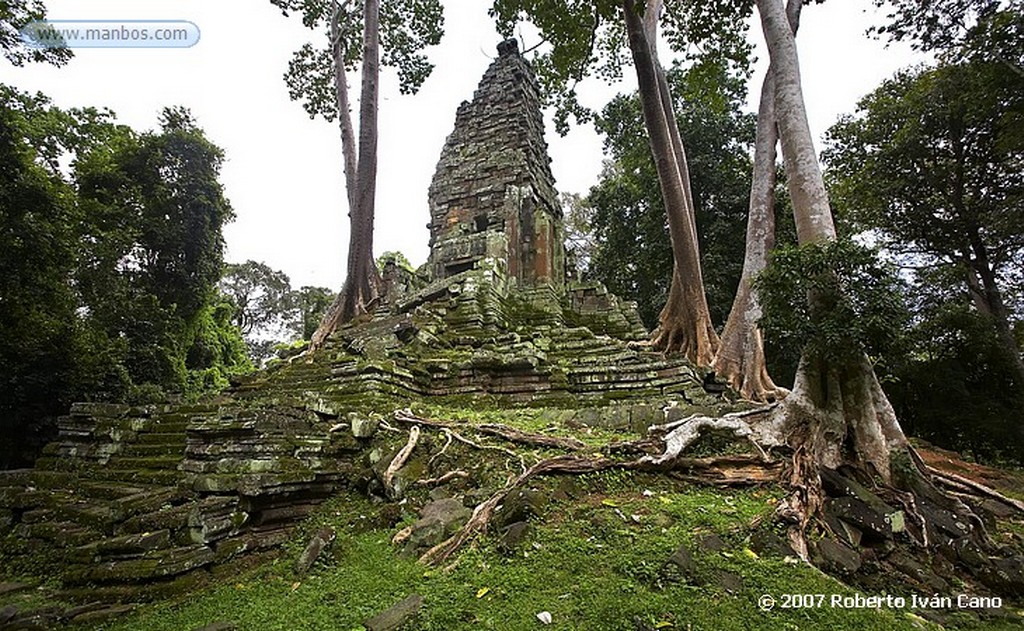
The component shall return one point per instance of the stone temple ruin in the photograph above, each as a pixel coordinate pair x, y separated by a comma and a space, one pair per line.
493, 197
146, 500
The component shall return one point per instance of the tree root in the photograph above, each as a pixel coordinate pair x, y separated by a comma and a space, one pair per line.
683, 433
960, 483
510, 434
485, 510
399, 460
447, 443
721, 471
405, 416
661, 451
533, 440
451, 475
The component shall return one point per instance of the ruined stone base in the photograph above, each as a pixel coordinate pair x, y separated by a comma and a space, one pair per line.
136, 499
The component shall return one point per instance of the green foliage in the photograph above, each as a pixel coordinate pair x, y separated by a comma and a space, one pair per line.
16, 15
397, 258
156, 210
950, 25
267, 311
406, 28
932, 160
632, 253
312, 303
836, 298
110, 249
580, 238
584, 38
41, 344
930, 166
958, 389
261, 298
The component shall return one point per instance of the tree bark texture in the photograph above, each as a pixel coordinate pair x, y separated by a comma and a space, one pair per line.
348, 138
362, 281
740, 359
837, 412
685, 322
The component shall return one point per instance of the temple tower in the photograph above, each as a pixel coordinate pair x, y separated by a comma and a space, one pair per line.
493, 196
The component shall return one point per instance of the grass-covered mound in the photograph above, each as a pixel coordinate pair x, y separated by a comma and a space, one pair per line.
616, 550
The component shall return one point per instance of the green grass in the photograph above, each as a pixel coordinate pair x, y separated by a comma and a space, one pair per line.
536, 420
594, 562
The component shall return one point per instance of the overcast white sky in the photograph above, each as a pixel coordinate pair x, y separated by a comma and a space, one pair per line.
283, 171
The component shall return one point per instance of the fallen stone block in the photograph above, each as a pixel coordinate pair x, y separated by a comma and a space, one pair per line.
320, 542
396, 615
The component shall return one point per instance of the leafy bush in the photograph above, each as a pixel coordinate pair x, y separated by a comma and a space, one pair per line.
836, 299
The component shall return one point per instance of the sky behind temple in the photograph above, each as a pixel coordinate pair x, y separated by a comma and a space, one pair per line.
283, 171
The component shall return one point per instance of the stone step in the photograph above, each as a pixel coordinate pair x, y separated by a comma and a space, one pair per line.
104, 490
176, 426
165, 517
168, 477
617, 358
152, 463
147, 450
121, 547
154, 565
60, 533
94, 514
160, 439
152, 499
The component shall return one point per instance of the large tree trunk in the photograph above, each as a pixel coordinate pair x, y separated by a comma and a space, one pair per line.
988, 298
362, 280
837, 413
685, 322
740, 360
348, 138
360, 285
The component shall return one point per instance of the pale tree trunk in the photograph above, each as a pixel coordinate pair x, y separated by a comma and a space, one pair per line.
685, 322
362, 281
837, 413
740, 360
348, 138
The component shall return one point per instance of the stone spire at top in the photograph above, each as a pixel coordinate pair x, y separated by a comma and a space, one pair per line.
493, 195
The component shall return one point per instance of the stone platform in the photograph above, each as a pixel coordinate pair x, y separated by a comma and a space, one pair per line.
132, 502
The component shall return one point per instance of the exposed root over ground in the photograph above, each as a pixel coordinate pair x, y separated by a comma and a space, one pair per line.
941, 498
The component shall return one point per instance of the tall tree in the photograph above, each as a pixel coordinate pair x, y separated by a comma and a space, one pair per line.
109, 246
258, 293
318, 78
267, 311
931, 164
155, 255
632, 254
40, 340
837, 412
951, 26
684, 324
740, 359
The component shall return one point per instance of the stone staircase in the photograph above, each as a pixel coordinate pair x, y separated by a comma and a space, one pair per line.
140, 501
135, 499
